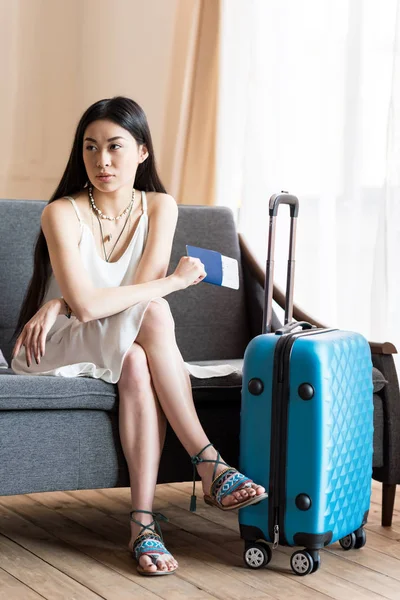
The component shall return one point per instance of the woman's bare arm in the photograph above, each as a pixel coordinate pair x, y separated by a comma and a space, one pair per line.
163, 216
87, 302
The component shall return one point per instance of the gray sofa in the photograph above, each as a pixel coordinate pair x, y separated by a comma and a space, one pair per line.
62, 434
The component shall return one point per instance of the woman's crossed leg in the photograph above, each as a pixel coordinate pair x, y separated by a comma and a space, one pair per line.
142, 426
159, 371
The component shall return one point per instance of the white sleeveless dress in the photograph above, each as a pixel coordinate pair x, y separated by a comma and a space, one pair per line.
97, 348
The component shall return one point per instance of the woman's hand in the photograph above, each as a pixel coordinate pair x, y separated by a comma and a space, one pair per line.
33, 335
189, 271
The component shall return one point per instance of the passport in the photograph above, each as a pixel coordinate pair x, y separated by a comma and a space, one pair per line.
220, 269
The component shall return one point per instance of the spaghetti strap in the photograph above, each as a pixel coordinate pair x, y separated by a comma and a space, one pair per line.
75, 207
144, 202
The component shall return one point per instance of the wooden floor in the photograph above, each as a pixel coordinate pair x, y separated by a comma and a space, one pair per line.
73, 546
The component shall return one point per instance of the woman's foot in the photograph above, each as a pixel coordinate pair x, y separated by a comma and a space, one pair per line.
165, 562
243, 493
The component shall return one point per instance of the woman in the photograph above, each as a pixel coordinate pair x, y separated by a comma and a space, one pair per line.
95, 307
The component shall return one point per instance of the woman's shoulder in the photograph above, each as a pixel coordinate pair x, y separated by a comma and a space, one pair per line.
160, 202
59, 205
64, 205
60, 208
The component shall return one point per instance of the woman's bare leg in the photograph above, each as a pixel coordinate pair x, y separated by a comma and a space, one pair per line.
142, 426
172, 385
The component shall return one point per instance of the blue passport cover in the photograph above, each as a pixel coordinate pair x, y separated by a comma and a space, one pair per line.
221, 270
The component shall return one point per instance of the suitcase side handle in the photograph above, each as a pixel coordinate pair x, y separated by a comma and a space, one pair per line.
274, 203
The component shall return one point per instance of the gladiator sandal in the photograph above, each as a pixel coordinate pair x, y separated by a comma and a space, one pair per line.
150, 543
228, 481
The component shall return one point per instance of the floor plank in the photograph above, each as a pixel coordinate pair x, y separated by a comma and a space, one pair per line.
39, 575
13, 589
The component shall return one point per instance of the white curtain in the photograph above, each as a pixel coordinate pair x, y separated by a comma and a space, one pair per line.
309, 102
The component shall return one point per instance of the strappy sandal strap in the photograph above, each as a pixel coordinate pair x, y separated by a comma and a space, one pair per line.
156, 518
149, 542
226, 483
152, 546
196, 459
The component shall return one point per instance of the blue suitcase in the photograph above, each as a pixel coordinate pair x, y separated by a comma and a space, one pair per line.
306, 431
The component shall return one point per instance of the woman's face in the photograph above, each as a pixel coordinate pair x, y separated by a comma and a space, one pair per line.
112, 150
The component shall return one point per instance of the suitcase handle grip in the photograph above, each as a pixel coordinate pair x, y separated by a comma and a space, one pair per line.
283, 198
288, 328
275, 201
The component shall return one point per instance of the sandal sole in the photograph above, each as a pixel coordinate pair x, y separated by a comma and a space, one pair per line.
142, 571
255, 500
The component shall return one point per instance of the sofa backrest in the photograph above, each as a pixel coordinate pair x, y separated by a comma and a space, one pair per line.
210, 321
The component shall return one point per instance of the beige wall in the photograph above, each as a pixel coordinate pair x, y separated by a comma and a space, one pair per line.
59, 56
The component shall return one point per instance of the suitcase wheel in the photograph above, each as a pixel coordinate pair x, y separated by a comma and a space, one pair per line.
361, 538
256, 555
303, 563
348, 542
356, 540
317, 562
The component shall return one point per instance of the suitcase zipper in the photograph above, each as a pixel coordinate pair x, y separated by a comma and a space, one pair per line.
276, 535
277, 437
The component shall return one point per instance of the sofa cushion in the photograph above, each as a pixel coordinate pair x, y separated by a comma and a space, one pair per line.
41, 392
24, 392
232, 380
33, 392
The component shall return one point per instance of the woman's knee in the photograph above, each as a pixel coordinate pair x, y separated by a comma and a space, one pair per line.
158, 318
135, 368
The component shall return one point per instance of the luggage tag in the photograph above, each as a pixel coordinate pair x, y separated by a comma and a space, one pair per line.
221, 270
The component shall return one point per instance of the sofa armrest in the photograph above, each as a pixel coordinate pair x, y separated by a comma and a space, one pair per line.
390, 394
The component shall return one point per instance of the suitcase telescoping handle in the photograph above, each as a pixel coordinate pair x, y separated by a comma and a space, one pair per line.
275, 201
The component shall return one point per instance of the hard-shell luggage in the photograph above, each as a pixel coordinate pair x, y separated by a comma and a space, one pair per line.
306, 430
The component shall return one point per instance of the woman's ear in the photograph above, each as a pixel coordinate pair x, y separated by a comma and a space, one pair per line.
143, 153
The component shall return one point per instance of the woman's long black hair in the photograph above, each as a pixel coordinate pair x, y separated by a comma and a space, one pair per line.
129, 115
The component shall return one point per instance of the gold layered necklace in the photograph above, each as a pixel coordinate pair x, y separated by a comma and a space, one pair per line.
100, 216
